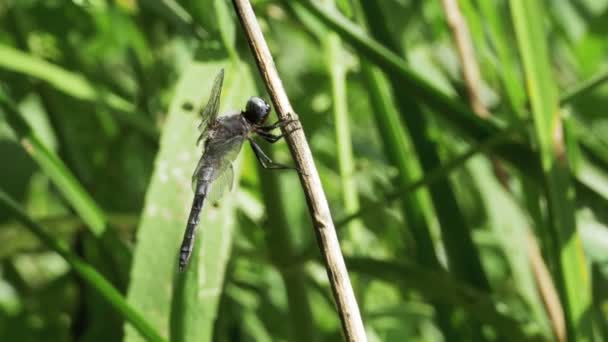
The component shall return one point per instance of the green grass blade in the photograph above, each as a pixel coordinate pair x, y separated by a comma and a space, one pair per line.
396, 147
398, 151
437, 174
566, 251
391, 63
456, 114
55, 169
431, 177
584, 87
442, 287
84, 271
463, 256
184, 306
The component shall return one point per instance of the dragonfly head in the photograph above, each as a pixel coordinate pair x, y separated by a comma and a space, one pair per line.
256, 111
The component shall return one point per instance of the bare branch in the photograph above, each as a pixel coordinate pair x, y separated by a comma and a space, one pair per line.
318, 207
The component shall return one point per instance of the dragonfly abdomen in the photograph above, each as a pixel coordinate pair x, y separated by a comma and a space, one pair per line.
193, 219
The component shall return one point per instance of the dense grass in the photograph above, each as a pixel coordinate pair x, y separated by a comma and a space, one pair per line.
436, 207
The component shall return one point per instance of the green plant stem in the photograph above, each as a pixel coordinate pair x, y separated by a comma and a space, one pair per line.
346, 161
281, 249
83, 270
396, 147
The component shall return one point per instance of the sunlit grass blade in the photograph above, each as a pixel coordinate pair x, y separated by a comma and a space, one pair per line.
55, 169
396, 147
391, 63
84, 271
571, 275
337, 69
497, 31
72, 84
584, 87
156, 286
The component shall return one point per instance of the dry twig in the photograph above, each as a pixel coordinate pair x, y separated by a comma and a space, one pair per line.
348, 309
470, 71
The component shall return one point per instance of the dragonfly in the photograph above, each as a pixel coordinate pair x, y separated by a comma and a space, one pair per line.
222, 138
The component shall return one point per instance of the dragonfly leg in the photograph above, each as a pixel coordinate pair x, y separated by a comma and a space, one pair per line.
271, 138
265, 161
275, 125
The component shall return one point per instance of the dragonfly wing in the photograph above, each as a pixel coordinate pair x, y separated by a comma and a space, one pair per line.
196, 173
210, 112
220, 157
222, 184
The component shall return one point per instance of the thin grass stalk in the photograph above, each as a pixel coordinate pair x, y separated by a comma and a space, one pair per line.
346, 161
571, 276
348, 309
85, 271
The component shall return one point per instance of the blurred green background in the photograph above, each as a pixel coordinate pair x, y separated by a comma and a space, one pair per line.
455, 226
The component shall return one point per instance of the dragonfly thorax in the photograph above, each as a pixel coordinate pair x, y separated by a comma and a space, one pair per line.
256, 111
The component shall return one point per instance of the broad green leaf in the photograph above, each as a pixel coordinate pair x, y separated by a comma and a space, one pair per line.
183, 305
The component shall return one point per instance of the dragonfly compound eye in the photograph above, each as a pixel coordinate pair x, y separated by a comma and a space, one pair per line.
257, 110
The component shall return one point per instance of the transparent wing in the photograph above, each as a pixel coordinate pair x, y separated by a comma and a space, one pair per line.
196, 173
210, 112
220, 157
222, 184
